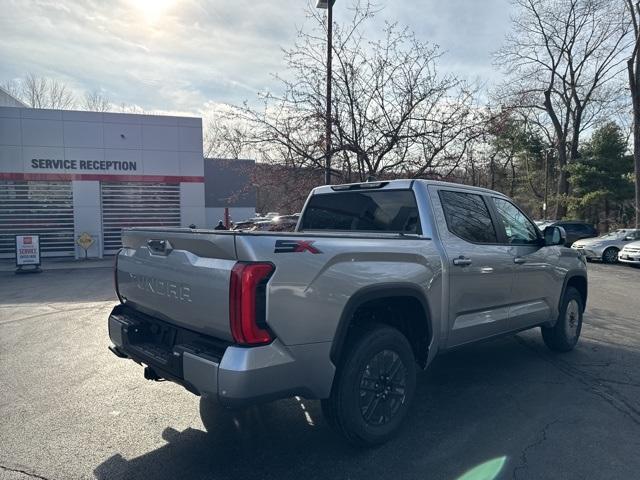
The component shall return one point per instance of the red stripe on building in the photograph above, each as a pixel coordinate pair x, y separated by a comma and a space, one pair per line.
57, 177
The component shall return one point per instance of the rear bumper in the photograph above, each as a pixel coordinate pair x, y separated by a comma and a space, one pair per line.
236, 376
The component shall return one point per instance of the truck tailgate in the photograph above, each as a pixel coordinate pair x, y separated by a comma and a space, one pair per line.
180, 276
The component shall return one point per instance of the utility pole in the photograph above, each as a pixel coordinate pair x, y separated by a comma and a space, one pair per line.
546, 184
328, 4
633, 70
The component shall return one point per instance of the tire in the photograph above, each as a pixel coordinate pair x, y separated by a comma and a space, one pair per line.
610, 255
564, 335
373, 387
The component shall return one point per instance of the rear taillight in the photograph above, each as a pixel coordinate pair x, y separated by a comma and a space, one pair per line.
247, 303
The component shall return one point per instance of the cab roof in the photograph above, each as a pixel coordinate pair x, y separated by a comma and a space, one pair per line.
401, 184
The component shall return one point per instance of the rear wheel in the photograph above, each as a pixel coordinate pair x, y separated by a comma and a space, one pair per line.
564, 335
610, 255
373, 387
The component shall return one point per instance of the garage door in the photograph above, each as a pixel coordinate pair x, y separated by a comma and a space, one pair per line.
137, 205
37, 208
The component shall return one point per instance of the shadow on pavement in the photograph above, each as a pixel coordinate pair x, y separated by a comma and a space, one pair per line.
497, 402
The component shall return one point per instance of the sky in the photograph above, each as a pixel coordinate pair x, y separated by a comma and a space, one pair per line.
188, 56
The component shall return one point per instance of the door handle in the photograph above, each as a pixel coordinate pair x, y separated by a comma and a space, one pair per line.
161, 247
462, 261
519, 260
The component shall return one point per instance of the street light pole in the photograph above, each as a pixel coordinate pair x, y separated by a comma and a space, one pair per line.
328, 5
546, 182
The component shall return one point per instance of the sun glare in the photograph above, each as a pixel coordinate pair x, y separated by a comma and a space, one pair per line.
152, 10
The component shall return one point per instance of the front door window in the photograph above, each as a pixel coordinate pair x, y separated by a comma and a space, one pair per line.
518, 228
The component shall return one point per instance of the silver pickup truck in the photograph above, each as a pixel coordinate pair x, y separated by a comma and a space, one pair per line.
377, 279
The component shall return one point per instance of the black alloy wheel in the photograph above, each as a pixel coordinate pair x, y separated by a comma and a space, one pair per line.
383, 386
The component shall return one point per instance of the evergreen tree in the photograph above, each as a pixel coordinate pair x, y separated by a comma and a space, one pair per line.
602, 179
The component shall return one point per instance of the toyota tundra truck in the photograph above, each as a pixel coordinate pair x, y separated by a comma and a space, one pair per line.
377, 279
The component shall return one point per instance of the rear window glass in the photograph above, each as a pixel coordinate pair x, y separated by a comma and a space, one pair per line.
576, 227
381, 211
468, 217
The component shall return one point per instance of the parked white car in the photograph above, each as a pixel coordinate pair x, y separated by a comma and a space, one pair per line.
630, 253
606, 247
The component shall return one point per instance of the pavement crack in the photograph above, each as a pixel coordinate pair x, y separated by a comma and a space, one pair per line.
524, 461
592, 383
24, 472
618, 382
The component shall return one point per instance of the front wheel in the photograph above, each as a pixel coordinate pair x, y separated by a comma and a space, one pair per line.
564, 335
610, 255
373, 387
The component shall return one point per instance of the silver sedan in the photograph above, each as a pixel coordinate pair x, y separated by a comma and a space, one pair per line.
606, 247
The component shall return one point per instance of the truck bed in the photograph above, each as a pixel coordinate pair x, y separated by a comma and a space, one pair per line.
182, 276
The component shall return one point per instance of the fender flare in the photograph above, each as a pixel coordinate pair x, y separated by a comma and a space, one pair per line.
571, 274
374, 292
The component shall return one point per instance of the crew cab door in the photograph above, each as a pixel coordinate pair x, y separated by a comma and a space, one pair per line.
535, 288
480, 268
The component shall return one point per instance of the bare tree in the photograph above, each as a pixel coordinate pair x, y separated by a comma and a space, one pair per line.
130, 108
225, 138
41, 92
95, 101
561, 59
391, 110
12, 87
59, 95
633, 69
449, 127
34, 91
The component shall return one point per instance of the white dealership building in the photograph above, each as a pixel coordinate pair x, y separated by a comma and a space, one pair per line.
64, 173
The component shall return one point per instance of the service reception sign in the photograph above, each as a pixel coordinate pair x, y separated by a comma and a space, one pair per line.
27, 250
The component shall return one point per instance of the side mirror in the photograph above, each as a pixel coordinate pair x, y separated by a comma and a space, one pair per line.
555, 236
628, 238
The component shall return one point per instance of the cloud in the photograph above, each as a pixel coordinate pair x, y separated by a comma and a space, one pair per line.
177, 55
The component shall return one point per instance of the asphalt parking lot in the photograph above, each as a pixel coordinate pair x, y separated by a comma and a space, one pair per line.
70, 409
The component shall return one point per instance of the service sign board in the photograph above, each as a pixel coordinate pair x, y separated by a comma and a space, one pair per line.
27, 250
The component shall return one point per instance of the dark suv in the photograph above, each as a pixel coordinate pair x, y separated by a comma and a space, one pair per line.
576, 230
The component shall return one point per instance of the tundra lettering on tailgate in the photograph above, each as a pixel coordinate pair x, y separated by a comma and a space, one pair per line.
165, 288
295, 246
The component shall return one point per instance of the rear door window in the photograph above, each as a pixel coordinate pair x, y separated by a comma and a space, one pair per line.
380, 211
580, 228
468, 217
570, 228
588, 230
